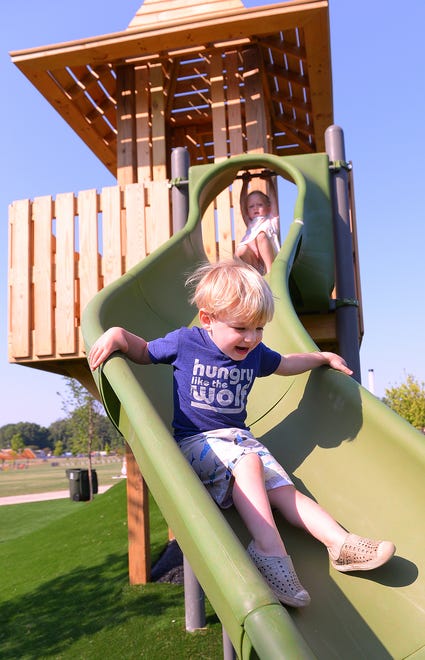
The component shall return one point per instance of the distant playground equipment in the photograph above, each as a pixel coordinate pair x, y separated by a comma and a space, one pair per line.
323, 423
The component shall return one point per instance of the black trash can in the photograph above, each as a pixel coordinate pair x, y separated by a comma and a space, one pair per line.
79, 484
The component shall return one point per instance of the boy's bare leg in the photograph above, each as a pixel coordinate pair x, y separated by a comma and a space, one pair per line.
252, 503
304, 512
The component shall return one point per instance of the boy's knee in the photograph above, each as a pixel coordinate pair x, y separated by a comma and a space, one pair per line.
250, 462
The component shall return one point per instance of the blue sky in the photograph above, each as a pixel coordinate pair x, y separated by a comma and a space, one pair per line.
379, 100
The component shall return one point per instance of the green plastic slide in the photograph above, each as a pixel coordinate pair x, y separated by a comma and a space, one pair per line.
344, 447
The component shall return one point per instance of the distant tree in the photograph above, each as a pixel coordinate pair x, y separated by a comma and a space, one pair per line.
32, 435
61, 434
81, 407
17, 442
59, 448
86, 427
408, 401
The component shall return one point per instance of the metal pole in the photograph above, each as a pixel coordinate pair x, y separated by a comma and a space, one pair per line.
179, 194
194, 600
346, 311
228, 650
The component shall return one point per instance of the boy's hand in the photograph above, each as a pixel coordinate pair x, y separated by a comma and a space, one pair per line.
338, 363
112, 340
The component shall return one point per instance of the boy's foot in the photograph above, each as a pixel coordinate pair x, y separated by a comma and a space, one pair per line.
361, 554
280, 575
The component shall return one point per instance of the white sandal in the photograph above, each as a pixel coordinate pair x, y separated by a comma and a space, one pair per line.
280, 575
362, 554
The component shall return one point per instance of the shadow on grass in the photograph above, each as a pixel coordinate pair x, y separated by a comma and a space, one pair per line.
85, 601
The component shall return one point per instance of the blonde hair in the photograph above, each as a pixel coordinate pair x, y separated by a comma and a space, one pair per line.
232, 290
260, 193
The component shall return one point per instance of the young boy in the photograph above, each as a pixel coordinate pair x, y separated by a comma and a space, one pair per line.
214, 368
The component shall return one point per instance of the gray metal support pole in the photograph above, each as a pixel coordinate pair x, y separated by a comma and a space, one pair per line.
346, 312
228, 650
179, 194
194, 600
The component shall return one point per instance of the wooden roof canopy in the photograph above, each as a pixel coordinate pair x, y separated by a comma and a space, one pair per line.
291, 47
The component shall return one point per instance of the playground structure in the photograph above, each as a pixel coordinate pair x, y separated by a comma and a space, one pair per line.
241, 81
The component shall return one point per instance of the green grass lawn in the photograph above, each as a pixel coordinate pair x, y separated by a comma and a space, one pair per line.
42, 477
65, 592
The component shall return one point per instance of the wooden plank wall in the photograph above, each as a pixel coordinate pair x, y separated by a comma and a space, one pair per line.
63, 251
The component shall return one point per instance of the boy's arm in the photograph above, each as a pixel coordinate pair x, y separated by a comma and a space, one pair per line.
118, 339
298, 363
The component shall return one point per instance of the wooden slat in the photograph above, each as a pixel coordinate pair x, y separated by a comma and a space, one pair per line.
43, 276
224, 227
135, 203
234, 109
159, 156
223, 214
255, 117
322, 328
19, 279
218, 107
157, 11
158, 222
239, 224
209, 233
236, 139
317, 46
88, 246
126, 146
143, 130
65, 327
112, 241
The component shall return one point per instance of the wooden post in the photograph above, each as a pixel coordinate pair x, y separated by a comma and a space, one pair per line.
139, 560
137, 492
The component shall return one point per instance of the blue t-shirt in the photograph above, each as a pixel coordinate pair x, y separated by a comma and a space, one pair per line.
210, 389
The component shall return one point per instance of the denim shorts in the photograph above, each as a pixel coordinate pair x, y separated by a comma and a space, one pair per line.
214, 455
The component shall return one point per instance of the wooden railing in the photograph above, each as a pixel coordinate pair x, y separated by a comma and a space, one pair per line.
62, 251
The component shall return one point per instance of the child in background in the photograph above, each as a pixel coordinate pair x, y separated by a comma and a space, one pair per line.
260, 243
214, 369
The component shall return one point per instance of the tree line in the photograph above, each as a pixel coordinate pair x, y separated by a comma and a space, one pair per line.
84, 428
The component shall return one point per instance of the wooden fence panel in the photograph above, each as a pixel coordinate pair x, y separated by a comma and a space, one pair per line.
62, 253
66, 275
43, 276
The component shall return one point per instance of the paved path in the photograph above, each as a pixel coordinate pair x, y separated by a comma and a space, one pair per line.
41, 497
